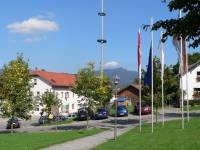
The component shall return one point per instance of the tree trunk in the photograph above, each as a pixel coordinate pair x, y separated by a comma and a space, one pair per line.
12, 124
156, 114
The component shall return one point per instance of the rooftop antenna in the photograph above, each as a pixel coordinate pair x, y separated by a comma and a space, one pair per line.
102, 41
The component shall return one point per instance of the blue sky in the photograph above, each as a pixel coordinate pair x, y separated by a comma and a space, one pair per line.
60, 35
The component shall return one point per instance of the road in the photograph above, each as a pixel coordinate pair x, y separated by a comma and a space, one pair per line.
122, 122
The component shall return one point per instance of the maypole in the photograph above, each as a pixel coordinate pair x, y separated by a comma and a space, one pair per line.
102, 41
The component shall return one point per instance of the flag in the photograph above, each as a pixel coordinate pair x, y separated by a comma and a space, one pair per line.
160, 47
139, 54
180, 45
148, 75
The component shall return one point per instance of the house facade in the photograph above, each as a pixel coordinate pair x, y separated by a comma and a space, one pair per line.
193, 82
58, 83
131, 92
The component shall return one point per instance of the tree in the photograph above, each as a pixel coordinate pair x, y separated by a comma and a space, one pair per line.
192, 59
171, 86
48, 100
93, 91
188, 26
15, 91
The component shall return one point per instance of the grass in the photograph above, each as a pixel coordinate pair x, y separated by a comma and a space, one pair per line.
169, 137
195, 107
34, 141
58, 122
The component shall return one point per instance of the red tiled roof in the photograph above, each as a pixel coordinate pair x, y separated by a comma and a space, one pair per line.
54, 78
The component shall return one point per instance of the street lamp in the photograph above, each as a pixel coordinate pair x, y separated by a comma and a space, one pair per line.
116, 82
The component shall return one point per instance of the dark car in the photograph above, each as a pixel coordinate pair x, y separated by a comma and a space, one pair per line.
101, 113
122, 111
145, 108
14, 121
82, 114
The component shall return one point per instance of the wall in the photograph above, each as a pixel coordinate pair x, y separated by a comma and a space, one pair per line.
192, 82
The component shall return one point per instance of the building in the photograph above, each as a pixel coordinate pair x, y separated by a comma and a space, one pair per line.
131, 92
193, 82
60, 84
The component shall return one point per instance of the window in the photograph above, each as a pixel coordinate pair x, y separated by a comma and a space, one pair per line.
65, 108
196, 89
66, 94
198, 73
38, 93
72, 106
35, 81
61, 94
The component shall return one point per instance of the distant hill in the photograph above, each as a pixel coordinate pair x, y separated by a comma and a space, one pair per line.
126, 76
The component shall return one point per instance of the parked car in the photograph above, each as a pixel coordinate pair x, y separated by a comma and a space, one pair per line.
15, 122
101, 113
145, 108
82, 114
122, 111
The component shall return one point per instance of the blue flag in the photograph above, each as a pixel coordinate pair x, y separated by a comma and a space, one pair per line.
147, 78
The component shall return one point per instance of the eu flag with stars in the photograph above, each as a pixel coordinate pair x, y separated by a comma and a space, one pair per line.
147, 78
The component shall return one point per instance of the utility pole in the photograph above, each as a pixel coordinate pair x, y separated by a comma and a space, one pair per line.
102, 41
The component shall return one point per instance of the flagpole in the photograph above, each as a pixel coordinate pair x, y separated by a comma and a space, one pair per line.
188, 111
181, 69
152, 76
139, 60
162, 75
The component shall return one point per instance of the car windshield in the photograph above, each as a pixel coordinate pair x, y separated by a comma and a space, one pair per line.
101, 109
121, 107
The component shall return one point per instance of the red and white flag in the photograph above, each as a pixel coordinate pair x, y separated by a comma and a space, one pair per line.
139, 54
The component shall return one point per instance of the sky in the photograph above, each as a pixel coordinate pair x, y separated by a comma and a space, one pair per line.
61, 35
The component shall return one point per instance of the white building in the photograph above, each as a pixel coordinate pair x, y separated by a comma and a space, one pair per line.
193, 82
60, 84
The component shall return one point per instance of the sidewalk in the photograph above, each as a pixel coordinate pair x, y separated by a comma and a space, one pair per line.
89, 142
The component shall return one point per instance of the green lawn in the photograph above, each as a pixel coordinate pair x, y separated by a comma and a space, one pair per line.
170, 137
34, 141
195, 107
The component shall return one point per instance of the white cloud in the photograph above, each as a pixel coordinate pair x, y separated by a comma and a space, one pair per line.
33, 25
111, 65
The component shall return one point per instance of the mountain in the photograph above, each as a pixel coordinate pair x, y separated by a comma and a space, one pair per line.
126, 76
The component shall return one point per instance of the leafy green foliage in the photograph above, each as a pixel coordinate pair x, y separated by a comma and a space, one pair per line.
49, 99
188, 26
171, 85
15, 89
90, 87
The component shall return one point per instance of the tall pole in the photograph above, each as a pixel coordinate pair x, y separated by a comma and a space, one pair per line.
187, 84
139, 74
116, 81
152, 75
181, 69
102, 41
162, 76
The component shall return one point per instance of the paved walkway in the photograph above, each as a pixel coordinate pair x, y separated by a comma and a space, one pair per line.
89, 142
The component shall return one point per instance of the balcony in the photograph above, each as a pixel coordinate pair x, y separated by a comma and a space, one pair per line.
196, 95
